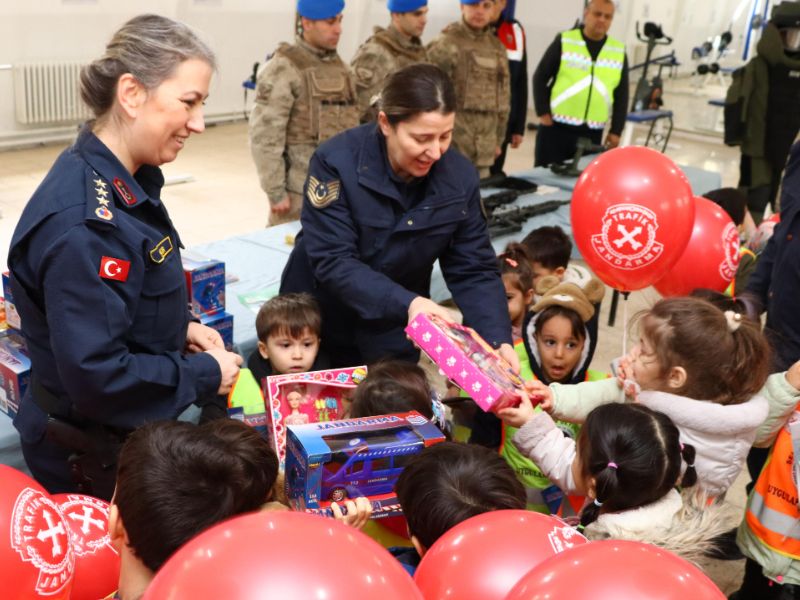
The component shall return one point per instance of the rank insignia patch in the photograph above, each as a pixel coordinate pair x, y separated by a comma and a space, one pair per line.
124, 191
161, 251
321, 193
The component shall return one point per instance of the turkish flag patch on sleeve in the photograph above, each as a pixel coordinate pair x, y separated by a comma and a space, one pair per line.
114, 268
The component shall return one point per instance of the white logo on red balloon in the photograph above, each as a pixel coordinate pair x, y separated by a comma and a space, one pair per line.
41, 537
88, 522
628, 239
564, 538
730, 242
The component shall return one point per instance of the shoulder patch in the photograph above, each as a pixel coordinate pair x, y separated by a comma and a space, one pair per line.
322, 193
99, 200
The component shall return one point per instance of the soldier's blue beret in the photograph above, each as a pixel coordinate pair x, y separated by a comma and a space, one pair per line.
401, 6
319, 9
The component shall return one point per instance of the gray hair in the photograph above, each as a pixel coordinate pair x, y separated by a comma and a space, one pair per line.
149, 47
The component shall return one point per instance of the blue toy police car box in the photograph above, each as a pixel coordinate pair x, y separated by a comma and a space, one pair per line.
332, 461
15, 371
205, 282
12, 316
223, 323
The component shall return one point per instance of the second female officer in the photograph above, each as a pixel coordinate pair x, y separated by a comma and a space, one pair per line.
382, 203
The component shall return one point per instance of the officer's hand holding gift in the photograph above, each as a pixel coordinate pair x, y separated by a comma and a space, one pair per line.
382, 203
96, 269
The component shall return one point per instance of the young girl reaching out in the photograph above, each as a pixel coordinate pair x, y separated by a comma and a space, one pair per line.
701, 367
628, 461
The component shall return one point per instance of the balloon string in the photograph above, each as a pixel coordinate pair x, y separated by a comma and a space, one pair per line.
624, 333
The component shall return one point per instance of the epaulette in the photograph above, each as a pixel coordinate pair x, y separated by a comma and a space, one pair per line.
99, 199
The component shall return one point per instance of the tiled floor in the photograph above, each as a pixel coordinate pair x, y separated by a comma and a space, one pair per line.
222, 198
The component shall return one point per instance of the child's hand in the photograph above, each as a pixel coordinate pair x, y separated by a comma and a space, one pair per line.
519, 415
540, 394
358, 512
793, 375
623, 368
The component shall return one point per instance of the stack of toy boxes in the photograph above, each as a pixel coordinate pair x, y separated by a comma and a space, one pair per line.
205, 282
15, 366
332, 461
314, 397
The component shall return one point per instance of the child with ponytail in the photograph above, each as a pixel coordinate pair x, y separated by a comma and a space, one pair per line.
702, 367
517, 275
628, 461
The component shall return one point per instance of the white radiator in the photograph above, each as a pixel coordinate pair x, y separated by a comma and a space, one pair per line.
48, 93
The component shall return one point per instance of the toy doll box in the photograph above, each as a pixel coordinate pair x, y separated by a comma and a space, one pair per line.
467, 360
205, 283
298, 398
330, 462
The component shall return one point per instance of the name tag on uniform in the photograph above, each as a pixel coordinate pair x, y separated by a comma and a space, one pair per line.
161, 251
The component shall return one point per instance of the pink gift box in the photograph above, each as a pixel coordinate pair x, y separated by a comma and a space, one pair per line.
313, 397
467, 360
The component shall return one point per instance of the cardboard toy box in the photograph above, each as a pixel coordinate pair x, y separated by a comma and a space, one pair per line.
467, 360
15, 371
332, 461
298, 398
223, 323
12, 316
205, 283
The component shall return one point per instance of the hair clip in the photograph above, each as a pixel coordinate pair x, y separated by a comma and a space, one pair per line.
597, 503
612, 465
690, 465
734, 320
512, 262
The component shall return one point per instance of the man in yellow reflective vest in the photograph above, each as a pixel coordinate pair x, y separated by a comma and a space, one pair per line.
580, 85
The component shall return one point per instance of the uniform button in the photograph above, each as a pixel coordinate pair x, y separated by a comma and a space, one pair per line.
789, 237
411, 221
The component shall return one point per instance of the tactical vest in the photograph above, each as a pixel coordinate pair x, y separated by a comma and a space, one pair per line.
783, 113
327, 104
583, 90
404, 53
772, 512
480, 79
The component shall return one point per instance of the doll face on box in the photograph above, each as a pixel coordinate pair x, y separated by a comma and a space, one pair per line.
294, 399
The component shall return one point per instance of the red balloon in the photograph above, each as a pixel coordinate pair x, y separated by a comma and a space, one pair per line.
36, 557
282, 555
632, 214
711, 256
96, 561
483, 557
614, 569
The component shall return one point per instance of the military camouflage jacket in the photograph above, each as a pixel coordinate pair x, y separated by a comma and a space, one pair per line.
385, 52
304, 95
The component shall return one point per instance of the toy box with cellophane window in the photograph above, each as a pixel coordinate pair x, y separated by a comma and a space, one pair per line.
334, 461
313, 397
467, 360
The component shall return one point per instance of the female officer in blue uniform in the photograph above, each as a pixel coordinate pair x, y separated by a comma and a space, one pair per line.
384, 202
96, 270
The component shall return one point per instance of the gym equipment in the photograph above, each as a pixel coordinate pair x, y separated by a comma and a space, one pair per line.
648, 94
569, 168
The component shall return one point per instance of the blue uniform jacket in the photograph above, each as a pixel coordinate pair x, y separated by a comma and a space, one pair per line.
776, 280
109, 350
370, 251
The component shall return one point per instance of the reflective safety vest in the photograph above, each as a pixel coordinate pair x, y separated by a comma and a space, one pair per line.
772, 512
583, 90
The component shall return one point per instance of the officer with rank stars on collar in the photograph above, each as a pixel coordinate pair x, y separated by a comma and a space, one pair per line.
96, 270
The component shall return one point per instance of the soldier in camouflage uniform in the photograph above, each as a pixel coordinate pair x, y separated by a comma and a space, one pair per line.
470, 53
389, 50
304, 95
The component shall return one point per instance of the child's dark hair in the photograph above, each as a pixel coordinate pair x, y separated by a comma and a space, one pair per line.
634, 454
549, 246
291, 314
516, 261
740, 304
449, 482
731, 200
576, 323
392, 386
176, 479
726, 357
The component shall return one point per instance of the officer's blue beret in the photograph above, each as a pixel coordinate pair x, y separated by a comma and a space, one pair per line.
401, 6
319, 9
470, 1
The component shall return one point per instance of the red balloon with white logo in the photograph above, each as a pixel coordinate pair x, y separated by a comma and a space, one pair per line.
484, 557
632, 214
36, 557
96, 562
711, 256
